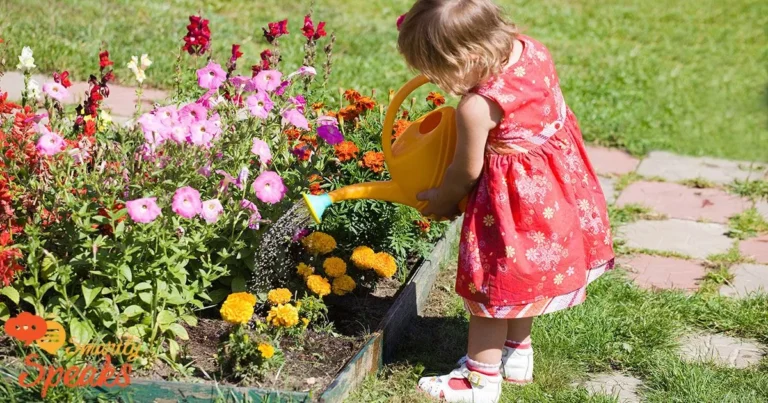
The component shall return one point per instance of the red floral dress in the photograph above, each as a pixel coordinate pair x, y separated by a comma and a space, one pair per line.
536, 229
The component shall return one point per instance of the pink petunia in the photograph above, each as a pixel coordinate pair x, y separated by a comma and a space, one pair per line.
255, 219
212, 209
243, 83
261, 148
296, 118
307, 71
267, 80
269, 187
194, 112
259, 104
50, 144
56, 91
186, 202
149, 123
242, 177
299, 102
211, 76
143, 210
167, 115
202, 133
179, 133
205, 170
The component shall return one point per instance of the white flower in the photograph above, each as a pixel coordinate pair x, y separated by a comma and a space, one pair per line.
138, 66
33, 90
558, 279
549, 213
570, 271
26, 61
105, 117
510, 251
488, 220
520, 71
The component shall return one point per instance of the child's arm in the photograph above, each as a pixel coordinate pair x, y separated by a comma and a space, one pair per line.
475, 117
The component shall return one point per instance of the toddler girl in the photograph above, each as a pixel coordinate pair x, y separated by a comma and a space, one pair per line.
535, 229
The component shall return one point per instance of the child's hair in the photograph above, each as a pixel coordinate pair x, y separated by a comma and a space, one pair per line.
456, 43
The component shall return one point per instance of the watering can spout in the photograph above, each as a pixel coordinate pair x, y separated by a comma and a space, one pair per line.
384, 190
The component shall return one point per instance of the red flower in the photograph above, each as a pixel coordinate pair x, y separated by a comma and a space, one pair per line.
198, 38
424, 225
302, 151
8, 264
90, 128
292, 134
309, 30
373, 160
314, 184
236, 54
435, 98
104, 60
365, 104
349, 113
62, 79
275, 30
346, 150
7, 107
266, 56
352, 96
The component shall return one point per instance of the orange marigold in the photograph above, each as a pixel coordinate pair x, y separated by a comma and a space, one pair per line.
349, 113
346, 150
352, 96
317, 106
400, 127
302, 151
373, 160
309, 139
435, 98
365, 104
384, 264
424, 225
292, 134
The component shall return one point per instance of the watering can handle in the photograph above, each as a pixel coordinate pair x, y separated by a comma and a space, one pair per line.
394, 107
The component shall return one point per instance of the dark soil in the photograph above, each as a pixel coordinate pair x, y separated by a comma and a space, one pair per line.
311, 362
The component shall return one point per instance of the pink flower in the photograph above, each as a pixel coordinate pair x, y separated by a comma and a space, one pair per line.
239, 181
281, 89
295, 118
261, 148
167, 115
269, 187
78, 155
303, 71
259, 104
205, 170
143, 210
299, 102
55, 91
211, 76
255, 219
242, 177
179, 133
193, 111
50, 144
400, 20
202, 133
267, 80
149, 123
299, 235
243, 83
186, 202
212, 209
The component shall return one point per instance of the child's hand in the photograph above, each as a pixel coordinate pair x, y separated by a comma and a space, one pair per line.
441, 204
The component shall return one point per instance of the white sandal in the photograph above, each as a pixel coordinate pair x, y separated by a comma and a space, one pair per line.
482, 388
516, 365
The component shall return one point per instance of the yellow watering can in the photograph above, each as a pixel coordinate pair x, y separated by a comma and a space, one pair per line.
417, 160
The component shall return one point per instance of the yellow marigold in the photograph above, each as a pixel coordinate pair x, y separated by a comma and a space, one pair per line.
283, 315
243, 296
304, 270
319, 285
237, 310
266, 350
384, 264
343, 285
363, 257
318, 243
334, 267
279, 296
305, 321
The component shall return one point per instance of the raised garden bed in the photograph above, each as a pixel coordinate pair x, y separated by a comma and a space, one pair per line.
366, 358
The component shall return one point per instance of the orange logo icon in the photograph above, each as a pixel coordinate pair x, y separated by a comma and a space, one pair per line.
54, 338
26, 327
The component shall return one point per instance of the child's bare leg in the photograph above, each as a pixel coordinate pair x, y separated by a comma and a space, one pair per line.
519, 330
486, 339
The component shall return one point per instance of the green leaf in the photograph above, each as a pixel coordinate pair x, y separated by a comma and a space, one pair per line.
173, 349
238, 284
218, 295
179, 331
166, 317
79, 331
11, 293
133, 310
146, 297
4, 312
143, 286
90, 291
189, 319
125, 271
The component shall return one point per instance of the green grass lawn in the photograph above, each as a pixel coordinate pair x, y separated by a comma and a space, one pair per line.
618, 328
684, 75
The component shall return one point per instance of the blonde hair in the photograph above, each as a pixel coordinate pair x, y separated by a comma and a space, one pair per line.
456, 43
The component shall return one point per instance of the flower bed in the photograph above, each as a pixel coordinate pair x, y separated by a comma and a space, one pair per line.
146, 233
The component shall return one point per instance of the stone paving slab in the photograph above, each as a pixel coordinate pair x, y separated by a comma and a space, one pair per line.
679, 201
747, 279
609, 161
724, 350
121, 101
755, 248
658, 272
694, 239
675, 168
615, 384
609, 188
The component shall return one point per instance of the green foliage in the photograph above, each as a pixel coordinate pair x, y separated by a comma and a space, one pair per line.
240, 359
747, 224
